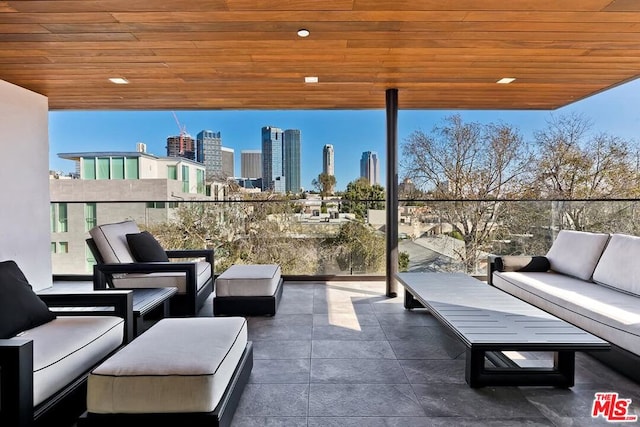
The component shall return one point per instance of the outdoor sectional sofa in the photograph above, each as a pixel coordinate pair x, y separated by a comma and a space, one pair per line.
591, 280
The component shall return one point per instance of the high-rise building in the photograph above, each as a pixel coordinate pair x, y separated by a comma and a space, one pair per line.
370, 167
328, 165
272, 166
291, 160
251, 163
181, 146
228, 162
209, 152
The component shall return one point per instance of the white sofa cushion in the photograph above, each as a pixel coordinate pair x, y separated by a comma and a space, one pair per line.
576, 253
69, 346
111, 241
612, 315
619, 267
178, 365
248, 280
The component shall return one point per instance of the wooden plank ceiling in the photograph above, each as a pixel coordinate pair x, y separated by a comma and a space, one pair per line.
245, 54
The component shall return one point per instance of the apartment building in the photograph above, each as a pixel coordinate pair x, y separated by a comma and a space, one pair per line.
110, 186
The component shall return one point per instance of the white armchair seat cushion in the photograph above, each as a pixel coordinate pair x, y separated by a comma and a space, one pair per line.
69, 346
576, 253
160, 280
248, 280
178, 365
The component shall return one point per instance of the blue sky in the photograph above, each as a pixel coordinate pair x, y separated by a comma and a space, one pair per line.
351, 132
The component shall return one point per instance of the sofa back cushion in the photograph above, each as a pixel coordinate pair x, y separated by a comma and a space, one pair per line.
619, 267
20, 308
111, 241
576, 253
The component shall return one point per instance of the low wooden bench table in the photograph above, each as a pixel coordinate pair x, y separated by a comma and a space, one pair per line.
489, 321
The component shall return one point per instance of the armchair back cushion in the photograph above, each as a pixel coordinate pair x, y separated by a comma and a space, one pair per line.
576, 253
111, 241
619, 267
20, 307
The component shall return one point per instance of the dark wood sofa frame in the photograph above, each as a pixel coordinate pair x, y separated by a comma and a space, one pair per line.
16, 360
182, 304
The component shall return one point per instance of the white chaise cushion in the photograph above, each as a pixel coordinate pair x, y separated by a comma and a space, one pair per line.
69, 346
576, 253
178, 365
111, 241
619, 266
248, 280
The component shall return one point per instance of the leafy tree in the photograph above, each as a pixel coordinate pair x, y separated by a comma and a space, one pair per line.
358, 247
575, 164
360, 195
472, 165
242, 233
403, 261
325, 184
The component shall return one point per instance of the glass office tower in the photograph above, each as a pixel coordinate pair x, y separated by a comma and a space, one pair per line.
272, 153
370, 167
292, 160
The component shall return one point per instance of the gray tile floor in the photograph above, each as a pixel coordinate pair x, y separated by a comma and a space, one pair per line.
342, 354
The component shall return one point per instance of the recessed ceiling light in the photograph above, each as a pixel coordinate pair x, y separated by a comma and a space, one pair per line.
311, 79
119, 80
505, 80
303, 32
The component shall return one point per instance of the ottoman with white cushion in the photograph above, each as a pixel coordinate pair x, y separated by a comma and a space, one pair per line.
182, 371
248, 290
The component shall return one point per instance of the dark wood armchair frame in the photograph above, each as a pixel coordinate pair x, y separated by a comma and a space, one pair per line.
16, 357
182, 304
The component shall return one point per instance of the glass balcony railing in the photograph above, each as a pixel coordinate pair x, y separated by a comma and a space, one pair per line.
340, 237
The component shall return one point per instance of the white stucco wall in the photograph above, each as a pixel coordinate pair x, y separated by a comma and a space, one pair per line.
24, 182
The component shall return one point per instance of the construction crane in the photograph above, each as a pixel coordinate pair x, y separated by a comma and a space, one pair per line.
183, 132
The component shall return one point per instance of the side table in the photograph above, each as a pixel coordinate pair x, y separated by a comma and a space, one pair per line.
146, 300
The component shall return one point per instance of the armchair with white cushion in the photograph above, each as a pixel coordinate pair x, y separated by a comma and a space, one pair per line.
127, 258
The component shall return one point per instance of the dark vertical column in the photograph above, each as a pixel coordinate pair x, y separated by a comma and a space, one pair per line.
392, 191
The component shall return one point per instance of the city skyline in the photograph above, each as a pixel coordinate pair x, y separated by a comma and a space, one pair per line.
351, 132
